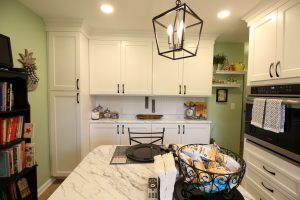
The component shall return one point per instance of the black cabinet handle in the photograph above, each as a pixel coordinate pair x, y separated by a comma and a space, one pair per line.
118, 88
77, 84
273, 173
123, 88
178, 129
122, 129
184, 87
183, 129
118, 132
276, 68
262, 183
77, 97
179, 89
271, 66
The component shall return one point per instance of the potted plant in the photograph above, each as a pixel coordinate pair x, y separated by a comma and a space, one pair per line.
219, 61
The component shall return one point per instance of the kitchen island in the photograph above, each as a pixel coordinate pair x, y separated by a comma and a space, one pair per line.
95, 178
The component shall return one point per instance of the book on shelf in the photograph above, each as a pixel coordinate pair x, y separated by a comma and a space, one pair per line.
6, 96
12, 160
23, 187
30, 154
28, 130
11, 129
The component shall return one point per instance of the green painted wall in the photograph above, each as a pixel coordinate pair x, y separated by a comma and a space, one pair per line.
226, 127
27, 30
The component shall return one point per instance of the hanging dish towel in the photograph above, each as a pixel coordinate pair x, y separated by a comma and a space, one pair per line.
258, 111
274, 115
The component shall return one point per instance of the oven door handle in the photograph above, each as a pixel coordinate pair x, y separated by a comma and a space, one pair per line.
292, 102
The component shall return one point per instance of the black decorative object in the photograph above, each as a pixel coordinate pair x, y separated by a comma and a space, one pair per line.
173, 28
210, 184
222, 95
6, 60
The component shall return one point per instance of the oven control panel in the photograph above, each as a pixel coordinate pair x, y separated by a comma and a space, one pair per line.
269, 90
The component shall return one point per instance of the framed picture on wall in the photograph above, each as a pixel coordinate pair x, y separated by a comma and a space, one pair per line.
222, 95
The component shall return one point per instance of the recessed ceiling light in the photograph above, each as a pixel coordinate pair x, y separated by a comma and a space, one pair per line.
223, 14
106, 8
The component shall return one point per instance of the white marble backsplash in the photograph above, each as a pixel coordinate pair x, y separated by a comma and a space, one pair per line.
129, 106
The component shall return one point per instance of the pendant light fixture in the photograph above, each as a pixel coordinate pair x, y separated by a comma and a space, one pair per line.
172, 30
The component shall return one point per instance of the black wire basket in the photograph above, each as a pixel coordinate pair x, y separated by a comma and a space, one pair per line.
210, 183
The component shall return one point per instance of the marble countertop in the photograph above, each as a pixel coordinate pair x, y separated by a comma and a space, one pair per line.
95, 178
153, 121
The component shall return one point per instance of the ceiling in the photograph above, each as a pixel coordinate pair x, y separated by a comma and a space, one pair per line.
136, 15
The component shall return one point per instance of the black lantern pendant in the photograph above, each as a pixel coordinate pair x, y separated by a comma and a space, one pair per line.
173, 29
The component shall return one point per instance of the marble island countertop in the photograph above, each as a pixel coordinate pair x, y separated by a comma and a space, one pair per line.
151, 121
95, 178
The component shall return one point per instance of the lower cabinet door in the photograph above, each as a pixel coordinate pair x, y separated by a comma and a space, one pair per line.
140, 128
104, 134
64, 135
172, 132
195, 134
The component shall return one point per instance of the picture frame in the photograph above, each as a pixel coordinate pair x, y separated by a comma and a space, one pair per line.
221, 95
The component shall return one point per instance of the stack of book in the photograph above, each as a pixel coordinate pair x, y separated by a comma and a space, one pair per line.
6, 96
16, 158
10, 129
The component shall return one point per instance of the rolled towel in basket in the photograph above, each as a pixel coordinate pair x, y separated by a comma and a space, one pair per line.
274, 115
258, 110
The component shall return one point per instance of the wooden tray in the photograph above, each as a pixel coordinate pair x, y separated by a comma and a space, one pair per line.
141, 116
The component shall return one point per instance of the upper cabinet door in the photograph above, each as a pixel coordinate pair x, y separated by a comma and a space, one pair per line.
288, 40
105, 67
167, 75
262, 48
63, 60
197, 72
137, 68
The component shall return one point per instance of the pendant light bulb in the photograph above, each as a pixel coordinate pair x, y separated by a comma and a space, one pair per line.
170, 34
180, 32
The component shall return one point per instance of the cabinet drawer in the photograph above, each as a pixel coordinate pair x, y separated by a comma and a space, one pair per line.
265, 185
257, 193
277, 170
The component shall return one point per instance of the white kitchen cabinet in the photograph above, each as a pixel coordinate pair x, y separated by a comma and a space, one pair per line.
269, 176
105, 67
114, 133
172, 132
273, 44
70, 104
63, 51
64, 132
120, 68
195, 133
167, 75
197, 72
186, 77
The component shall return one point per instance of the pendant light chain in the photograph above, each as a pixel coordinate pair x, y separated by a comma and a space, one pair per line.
178, 2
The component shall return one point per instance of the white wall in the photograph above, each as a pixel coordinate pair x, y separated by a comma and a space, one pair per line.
170, 107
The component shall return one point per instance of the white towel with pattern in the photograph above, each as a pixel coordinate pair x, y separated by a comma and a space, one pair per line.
258, 111
274, 115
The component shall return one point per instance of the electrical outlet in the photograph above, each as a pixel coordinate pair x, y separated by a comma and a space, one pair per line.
232, 106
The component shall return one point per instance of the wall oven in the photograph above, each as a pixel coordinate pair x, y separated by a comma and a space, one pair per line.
287, 143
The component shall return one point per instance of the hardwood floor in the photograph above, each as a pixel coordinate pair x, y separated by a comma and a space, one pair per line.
45, 195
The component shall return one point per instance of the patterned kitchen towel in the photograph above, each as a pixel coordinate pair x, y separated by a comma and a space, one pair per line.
274, 115
258, 111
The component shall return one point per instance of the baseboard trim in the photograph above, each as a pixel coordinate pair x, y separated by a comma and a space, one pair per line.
45, 186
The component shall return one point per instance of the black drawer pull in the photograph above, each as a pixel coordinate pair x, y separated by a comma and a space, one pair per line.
276, 68
179, 89
271, 66
273, 173
178, 129
118, 132
118, 88
262, 183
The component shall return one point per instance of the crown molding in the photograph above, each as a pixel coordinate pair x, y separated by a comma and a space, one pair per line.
66, 25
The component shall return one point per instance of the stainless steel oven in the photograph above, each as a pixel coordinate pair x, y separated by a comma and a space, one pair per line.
287, 143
